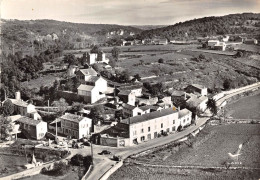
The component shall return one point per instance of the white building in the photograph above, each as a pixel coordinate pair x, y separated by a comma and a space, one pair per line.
92, 58
185, 117
131, 111
34, 129
92, 93
75, 126
213, 42
202, 90
84, 74
197, 101
149, 126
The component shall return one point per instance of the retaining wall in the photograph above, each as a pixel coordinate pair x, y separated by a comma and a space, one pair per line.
111, 170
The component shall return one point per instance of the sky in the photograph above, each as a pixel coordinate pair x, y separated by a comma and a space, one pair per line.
124, 12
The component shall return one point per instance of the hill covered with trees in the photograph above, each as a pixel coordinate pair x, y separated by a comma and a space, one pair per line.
248, 23
25, 34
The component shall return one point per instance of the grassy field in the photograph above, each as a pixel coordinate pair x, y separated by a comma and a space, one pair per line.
213, 145
45, 80
245, 108
13, 164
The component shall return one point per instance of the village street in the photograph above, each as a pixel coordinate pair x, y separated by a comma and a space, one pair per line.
102, 163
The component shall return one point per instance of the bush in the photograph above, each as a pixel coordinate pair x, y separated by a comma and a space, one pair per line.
59, 169
161, 60
76, 160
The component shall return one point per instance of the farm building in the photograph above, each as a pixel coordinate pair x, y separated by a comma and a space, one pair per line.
202, 90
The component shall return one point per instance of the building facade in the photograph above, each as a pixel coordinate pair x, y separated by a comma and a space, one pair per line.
75, 126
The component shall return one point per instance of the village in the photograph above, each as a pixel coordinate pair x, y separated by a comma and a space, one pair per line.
106, 113
129, 90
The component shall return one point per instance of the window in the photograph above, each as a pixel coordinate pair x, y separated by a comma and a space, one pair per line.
173, 122
66, 130
161, 125
149, 129
142, 130
139, 114
173, 128
184, 120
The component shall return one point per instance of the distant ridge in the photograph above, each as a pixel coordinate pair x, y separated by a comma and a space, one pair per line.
230, 24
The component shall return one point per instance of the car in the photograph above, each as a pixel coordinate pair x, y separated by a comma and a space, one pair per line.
105, 152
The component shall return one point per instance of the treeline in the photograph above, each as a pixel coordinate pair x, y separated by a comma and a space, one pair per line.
234, 23
18, 68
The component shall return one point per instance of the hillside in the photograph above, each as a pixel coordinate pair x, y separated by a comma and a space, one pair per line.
248, 23
148, 27
21, 34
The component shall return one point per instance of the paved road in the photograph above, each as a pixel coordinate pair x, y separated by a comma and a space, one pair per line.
102, 164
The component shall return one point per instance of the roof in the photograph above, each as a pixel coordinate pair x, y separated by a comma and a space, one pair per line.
184, 112
92, 78
124, 92
72, 117
149, 116
14, 117
176, 93
84, 87
198, 86
195, 100
19, 102
27, 120
128, 106
144, 108
88, 72
120, 129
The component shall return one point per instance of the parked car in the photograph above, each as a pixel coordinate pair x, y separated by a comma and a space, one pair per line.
105, 152
117, 158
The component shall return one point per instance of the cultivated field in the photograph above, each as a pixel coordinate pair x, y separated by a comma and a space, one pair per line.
210, 149
245, 108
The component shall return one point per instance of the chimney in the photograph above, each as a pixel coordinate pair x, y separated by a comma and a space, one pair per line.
18, 95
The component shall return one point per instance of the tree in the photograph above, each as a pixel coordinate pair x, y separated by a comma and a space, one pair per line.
211, 105
95, 49
6, 126
137, 77
96, 112
112, 63
115, 53
61, 104
8, 108
160, 60
227, 84
76, 106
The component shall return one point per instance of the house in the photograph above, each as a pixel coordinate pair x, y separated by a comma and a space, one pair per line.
185, 117
127, 97
93, 58
98, 82
146, 109
200, 102
161, 41
84, 74
225, 38
131, 111
177, 95
75, 126
23, 108
212, 43
92, 93
202, 90
250, 41
136, 89
221, 46
31, 128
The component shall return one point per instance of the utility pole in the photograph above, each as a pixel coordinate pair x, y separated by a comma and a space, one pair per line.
91, 152
48, 105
